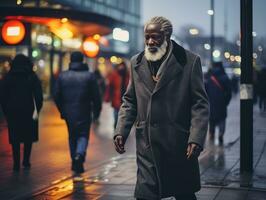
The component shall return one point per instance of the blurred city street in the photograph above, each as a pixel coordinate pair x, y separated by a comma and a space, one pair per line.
78, 55
112, 176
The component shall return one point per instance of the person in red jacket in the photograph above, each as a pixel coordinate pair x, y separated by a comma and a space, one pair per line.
117, 83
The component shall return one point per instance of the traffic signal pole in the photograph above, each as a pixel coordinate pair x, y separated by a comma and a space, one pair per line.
246, 89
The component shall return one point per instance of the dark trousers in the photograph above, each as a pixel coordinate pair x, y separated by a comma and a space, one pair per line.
221, 126
180, 197
78, 146
26, 153
78, 138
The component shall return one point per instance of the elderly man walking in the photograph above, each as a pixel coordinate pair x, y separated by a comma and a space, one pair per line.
167, 104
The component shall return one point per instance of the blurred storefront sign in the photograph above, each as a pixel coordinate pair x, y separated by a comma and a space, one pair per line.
90, 47
74, 43
13, 32
120, 34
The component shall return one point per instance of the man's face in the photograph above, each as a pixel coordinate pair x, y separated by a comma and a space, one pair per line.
154, 37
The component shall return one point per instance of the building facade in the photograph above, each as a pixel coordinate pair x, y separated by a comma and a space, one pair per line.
55, 28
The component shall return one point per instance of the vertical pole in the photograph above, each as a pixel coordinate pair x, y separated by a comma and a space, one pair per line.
29, 44
52, 67
212, 33
246, 89
225, 24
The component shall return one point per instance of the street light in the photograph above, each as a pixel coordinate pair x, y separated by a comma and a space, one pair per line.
193, 31
207, 46
19, 2
226, 54
216, 53
210, 12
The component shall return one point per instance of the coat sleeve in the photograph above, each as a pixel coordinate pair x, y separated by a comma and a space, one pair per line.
58, 96
199, 107
37, 91
128, 110
3, 95
228, 90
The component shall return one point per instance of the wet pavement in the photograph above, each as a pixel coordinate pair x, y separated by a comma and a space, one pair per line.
111, 176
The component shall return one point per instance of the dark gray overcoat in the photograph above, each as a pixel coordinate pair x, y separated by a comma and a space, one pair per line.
166, 117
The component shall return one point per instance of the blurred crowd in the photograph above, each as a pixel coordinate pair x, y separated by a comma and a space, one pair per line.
71, 98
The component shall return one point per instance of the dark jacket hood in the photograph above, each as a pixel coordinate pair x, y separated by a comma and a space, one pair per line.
78, 66
21, 64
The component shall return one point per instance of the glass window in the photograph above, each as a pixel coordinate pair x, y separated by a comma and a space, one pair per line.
87, 4
99, 8
137, 10
112, 2
116, 14
121, 4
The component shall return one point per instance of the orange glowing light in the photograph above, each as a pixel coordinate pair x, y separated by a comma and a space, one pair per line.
96, 37
13, 32
63, 32
90, 47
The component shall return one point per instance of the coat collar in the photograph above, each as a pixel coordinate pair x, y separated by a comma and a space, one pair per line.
78, 66
143, 71
175, 65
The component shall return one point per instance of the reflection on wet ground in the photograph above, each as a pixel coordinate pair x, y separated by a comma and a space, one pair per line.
109, 176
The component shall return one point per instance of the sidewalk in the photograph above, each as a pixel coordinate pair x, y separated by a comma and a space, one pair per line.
107, 183
113, 177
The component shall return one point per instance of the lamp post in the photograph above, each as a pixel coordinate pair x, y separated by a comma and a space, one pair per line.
246, 89
211, 13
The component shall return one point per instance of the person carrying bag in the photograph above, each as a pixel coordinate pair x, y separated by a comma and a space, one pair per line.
21, 99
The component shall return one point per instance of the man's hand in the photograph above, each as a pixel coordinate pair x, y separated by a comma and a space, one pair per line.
119, 144
193, 150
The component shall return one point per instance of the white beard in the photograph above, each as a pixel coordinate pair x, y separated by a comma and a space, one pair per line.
156, 55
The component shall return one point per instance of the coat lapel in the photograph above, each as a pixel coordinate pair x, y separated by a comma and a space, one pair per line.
170, 71
174, 66
144, 73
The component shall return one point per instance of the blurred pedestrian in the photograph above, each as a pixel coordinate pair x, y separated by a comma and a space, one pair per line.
101, 82
255, 73
77, 97
168, 106
117, 84
235, 83
219, 91
262, 89
21, 97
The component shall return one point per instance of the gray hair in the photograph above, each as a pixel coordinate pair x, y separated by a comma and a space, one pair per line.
166, 25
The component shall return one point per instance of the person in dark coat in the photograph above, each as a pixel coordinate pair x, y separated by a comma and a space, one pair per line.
20, 88
218, 88
77, 97
167, 104
262, 89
